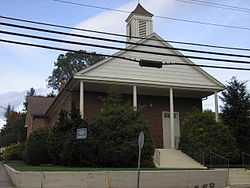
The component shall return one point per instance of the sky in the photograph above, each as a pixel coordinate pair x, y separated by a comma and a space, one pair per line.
26, 67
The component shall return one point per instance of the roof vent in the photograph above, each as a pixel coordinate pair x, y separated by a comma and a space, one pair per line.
142, 28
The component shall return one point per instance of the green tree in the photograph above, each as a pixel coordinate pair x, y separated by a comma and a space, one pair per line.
31, 92
201, 133
9, 109
14, 130
36, 149
68, 64
114, 132
235, 112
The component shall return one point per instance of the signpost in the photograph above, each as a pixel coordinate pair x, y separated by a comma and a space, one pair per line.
140, 146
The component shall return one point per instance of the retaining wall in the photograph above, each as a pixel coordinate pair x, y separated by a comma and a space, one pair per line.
119, 179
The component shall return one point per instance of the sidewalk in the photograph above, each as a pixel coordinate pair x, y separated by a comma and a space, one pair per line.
4, 178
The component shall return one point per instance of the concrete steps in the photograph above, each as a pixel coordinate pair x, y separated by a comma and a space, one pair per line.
239, 178
172, 158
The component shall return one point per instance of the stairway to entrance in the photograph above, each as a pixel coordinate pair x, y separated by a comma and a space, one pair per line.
239, 178
176, 159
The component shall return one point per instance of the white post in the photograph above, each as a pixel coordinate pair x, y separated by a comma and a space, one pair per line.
171, 100
216, 106
135, 98
82, 99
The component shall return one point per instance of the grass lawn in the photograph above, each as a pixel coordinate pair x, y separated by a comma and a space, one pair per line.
21, 166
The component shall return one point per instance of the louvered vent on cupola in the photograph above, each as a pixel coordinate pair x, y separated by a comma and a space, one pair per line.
139, 24
142, 28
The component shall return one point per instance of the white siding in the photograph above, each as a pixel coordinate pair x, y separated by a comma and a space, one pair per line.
168, 75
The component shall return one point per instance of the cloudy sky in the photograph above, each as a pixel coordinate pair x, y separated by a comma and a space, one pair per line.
26, 67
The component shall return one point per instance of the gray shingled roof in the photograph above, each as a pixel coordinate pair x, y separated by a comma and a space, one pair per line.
38, 105
139, 10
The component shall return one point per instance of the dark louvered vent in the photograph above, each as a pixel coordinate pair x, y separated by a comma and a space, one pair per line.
142, 28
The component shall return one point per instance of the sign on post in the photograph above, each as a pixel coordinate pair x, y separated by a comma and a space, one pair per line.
141, 140
81, 133
140, 146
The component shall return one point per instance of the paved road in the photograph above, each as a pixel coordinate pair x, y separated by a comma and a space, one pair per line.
4, 178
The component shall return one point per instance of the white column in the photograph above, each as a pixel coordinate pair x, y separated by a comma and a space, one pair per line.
82, 99
171, 100
135, 98
216, 106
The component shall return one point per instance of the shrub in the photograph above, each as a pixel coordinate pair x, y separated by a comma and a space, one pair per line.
57, 136
63, 147
201, 133
13, 152
113, 135
36, 149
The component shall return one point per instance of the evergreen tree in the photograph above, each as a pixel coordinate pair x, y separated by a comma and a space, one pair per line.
31, 92
235, 111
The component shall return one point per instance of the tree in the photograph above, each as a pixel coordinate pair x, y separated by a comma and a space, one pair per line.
31, 92
68, 64
201, 133
114, 132
235, 112
36, 148
7, 113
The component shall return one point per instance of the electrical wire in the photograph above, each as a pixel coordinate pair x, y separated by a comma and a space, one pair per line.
216, 5
162, 17
114, 56
122, 49
121, 35
120, 41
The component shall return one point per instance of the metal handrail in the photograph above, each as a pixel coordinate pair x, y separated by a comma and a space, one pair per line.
243, 154
224, 158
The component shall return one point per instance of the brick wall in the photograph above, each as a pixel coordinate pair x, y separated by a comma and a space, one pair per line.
152, 107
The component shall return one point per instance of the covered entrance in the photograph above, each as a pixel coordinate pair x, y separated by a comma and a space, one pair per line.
166, 130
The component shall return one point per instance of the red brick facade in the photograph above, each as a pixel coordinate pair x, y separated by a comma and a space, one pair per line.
152, 107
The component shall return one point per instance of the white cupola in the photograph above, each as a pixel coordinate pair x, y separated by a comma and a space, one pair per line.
139, 23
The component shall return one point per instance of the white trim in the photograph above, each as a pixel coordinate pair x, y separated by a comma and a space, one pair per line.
171, 101
82, 98
134, 97
130, 81
216, 106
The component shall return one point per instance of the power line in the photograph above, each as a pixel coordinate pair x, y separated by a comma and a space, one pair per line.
114, 56
120, 41
162, 17
216, 5
122, 35
122, 49
220, 5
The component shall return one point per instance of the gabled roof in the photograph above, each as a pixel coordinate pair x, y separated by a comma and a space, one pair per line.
38, 105
139, 10
124, 71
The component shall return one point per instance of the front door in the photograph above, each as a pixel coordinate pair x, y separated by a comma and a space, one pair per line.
167, 129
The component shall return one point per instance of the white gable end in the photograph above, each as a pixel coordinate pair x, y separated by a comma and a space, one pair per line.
170, 75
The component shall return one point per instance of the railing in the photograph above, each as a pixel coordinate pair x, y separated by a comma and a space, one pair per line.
245, 157
218, 161
213, 160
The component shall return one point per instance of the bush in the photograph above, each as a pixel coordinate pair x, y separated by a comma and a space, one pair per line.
13, 152
63, 147
111, 142
57, 136
113, 136
36, 149
201, 133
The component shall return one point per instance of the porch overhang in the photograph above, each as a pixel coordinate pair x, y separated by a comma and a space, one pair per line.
147, 87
